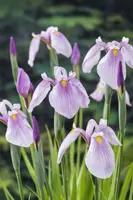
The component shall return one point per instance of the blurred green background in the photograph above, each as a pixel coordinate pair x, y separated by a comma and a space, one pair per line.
82, 22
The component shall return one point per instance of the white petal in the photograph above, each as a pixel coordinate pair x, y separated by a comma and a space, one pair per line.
70, 138
127, 52
33, 49
60, 73
100, 159
91, 59
108, 68
3, 110
60, 43
19, 132
128, 99
39, 94
110, 135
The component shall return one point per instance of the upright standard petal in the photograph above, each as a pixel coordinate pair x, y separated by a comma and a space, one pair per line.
90, 129
127, 52
60, 73
91, 59
60, 43
19, 131
39, 94
108, 68
64, 99
81, 92
23, 83
100, 158
33, 49
3, 110
70, 138
98, 94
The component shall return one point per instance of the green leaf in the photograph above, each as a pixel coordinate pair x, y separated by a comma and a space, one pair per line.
125, 187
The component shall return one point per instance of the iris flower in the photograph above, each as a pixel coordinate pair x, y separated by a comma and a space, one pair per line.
100, 159
18, 132
99, 92
53, 39
107, 68
67, 94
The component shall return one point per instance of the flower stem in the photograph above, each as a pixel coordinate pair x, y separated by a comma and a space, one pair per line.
19, 184
122, 125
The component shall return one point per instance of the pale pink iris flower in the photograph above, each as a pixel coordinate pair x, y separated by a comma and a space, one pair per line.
53, 39
107, 67
18, 132
100, 159
66, 96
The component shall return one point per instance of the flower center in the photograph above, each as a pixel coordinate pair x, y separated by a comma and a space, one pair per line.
56, 32
99, 139
100, 89
64, 83
115, 51
14, 116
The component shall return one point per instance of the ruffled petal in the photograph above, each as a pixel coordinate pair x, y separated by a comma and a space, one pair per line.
33, 49
19, 131
60, 43
64, 99
128, 102
127, 52
82, 94
60, 73
108, 68
23, 83
39, 94
98, 94
110, 135
91, 59
70, 138
100, 158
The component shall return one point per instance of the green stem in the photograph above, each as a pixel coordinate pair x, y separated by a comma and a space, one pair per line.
122, 125
19, 184
79, 140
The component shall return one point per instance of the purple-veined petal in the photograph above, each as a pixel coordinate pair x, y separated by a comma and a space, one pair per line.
92, 57
127, 53
19, 131
39, 94
64, 99
82, 94
127, 99
110, 135
33, 49
98, 94
60, 73
100, 157
108, 68
3, 120
23, 83
60, 43
70, 138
